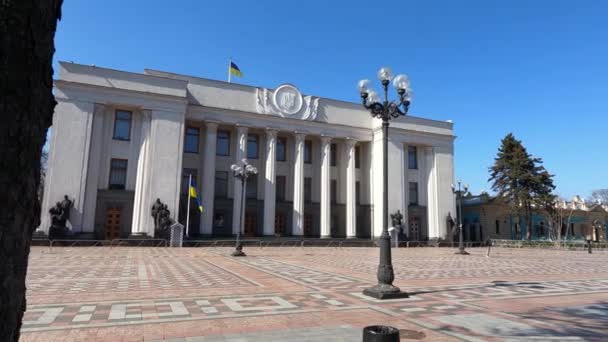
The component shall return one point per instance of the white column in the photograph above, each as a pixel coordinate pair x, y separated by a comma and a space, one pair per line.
432, 200
269, 182
445, 201
351, 202
69, 161
140, 224
241, 152
208, 186
159, 169
325, 187
90, 200
298, 187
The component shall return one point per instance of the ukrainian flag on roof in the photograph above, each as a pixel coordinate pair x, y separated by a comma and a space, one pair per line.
235, 70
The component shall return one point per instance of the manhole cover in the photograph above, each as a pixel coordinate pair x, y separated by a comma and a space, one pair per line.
411, 334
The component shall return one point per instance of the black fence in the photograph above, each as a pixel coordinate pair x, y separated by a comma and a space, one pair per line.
312, 242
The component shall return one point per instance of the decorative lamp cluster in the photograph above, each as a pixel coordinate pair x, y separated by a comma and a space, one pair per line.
245, 170
371, 98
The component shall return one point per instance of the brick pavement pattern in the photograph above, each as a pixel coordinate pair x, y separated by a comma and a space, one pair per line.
312, 294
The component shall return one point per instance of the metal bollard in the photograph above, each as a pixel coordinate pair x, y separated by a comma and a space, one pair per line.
380, 333
589, 246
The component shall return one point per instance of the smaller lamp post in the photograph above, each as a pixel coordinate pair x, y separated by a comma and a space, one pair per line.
460, 192
242, 172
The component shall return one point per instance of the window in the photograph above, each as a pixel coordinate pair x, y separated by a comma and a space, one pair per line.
332, 154
185, 177
252, 187
281, 149
307, 189
497, 226
223, 143
252, 146
334, 191
308, 152
357, 157
280, 188
192, 136
412, 157
221, 184
413, 193
122, 124
358, 192
118, 174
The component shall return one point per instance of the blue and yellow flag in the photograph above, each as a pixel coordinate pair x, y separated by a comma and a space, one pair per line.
193, 194
235, 70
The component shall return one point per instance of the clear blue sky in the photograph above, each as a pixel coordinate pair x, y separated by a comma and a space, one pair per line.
538, 69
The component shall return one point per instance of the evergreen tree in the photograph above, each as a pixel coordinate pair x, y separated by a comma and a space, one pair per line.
520, 181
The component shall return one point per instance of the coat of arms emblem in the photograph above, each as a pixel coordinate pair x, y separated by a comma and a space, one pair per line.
288, 99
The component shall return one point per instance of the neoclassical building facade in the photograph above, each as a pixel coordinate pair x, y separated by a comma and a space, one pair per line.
120, 140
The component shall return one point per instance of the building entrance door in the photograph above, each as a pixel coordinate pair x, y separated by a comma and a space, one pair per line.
414, 229
113, 223
250, 224
307, 225
279, 224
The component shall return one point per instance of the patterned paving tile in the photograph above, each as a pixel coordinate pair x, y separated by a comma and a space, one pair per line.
203, 294
53, 317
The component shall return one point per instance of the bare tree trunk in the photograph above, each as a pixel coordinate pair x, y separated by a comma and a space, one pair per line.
27, 31
528, 212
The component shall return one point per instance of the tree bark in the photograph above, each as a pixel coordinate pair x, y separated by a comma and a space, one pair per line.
27, 31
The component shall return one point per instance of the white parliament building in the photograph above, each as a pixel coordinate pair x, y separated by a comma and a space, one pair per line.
120, 140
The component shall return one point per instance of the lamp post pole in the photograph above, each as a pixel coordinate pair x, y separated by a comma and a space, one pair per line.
459, 192
385, 110
242, 172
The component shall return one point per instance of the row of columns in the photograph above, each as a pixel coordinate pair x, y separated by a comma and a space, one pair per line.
270, 183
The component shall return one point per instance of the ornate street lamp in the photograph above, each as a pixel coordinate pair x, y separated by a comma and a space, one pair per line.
460, 192
385, 110
242, 172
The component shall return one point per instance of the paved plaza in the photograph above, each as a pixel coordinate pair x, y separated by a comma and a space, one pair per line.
312, 294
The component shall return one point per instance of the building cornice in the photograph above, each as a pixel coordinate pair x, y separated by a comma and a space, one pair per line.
74, 91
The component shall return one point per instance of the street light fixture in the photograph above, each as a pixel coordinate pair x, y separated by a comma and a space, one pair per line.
460, 192
242, 172
385, 110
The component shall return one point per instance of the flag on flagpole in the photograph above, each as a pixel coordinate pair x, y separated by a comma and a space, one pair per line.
234, 70
194, 195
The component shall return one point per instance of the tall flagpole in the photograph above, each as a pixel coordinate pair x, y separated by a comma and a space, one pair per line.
188, 207
229, 64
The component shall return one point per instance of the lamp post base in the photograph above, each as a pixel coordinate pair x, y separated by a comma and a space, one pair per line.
385, 291
238, 253
462, 252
